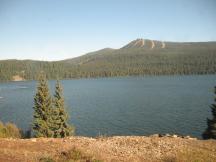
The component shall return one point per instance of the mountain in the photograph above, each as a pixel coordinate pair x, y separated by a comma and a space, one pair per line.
145, 43
139, 57
144, 49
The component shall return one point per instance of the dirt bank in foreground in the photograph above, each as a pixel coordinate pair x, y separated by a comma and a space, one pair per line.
118, 148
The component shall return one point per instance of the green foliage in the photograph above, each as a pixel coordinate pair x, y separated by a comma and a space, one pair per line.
50, 117
61, 127
42, 109
175, 58
210, 132
75, 155
9, 130
46, 159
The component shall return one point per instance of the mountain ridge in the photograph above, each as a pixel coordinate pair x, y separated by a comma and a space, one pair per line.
109, 48
138, 57
148, 45
144, 43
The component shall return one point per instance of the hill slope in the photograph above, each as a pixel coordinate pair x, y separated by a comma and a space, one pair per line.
107, 149
139, 57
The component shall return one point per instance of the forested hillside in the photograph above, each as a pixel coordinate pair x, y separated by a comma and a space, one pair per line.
139, 57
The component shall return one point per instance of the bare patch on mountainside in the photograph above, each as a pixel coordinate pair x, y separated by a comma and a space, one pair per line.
142, 42
17, 78
153, 44
163, 45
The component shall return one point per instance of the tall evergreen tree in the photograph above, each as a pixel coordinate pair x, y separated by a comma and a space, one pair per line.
60, 124
42, 109
210, 132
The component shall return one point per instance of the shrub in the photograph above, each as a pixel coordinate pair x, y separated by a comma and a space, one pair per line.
210, 132
9, 130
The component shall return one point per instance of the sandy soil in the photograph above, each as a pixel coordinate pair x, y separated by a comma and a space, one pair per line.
111, 149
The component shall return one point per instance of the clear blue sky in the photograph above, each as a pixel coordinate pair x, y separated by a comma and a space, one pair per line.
59, 29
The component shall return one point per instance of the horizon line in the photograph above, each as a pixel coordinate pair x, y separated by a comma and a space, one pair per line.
26, 59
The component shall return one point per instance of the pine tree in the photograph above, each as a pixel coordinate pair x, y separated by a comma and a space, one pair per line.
210, 132
60, 124
42, 109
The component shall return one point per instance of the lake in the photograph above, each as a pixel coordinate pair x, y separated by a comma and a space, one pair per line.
121, 106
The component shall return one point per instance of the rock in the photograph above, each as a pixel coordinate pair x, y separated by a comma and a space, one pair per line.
190, 138
174, 136
34, 140
187, 137
155, 135
167, 135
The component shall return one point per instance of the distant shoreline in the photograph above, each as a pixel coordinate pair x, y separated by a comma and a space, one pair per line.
124, 76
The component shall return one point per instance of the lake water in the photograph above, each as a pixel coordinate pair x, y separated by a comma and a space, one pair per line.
121, 106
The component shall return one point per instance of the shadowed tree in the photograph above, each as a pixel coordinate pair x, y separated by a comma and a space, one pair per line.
42, 109
210, 132
60, 124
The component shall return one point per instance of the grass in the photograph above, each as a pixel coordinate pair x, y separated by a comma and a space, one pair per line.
189, 155
46, 159
73, 155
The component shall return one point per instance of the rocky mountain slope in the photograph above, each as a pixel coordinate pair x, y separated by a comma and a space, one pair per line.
108, 149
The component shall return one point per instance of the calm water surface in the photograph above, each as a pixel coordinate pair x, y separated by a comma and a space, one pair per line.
121, 106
